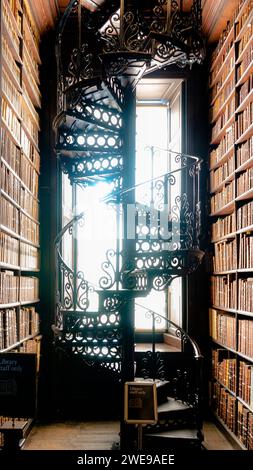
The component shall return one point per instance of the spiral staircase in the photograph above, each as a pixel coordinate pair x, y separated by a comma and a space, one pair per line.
94, 143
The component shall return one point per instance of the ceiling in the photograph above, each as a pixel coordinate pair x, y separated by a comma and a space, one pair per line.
216, 13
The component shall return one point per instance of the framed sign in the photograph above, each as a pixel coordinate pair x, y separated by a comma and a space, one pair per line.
140, 403
18, 385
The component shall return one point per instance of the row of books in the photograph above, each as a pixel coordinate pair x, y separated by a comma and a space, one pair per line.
14, 188
224, 118
29, 229
8, 21
31, 23
245, 63
30, 122
225, 144
29, 148
223, 291
245, 182
17, 253
225, 256
11, 120
11, 92
222, 328
245, 337
244, 152
9, 287
247, 10
245, 251
9, 151
17, 289
9, 59
223, 197
9, 215
16, 325
18, 222
245, 294
222, 172
244, 119
217, 84
246, 37
224, 368
245, 385
225, 406
245, 89
245, 426
222, 97
228, 66
223, 226
245, 216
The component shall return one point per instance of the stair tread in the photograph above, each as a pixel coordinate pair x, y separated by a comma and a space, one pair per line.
176, 433
173, 405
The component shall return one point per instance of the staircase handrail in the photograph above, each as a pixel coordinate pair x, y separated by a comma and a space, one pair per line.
197, 162
179, 331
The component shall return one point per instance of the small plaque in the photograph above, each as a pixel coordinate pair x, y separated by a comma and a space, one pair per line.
140, 403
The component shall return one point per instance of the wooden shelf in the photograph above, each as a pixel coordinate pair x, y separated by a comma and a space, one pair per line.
249, 228
247, 314
216, 140
18, 177
224, 237
222, 273
245, 26
245, 102
19, 343
221, 51
12, 137
244, 403
247, 164
18, 206
218, 188
247, 195
32, 41
9, 266
12, 77
224, 158
18, 236
19, 304
223, 106
244, 76
240, 58
225, 210
231, 433
222, 86
15, 51
35, 98
224, 346
248, 133
229, 310
224, 386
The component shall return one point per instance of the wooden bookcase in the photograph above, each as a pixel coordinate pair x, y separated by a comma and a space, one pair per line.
231, 188
20, 166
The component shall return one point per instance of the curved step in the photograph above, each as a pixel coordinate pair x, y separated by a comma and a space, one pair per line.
187, 434
173, 406
88, 143
106, 92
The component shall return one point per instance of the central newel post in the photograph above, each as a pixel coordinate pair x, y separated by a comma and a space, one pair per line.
128, 245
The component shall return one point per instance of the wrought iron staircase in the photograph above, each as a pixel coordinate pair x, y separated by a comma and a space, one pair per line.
94, 144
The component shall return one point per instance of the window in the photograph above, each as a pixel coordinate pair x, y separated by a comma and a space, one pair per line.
158, 128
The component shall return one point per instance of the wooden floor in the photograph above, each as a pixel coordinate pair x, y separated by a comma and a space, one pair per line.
71, 435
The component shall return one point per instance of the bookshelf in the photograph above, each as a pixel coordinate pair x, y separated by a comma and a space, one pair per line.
19, 181
231, 211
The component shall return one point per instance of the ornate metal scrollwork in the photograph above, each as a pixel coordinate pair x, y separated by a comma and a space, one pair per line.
108, 280
153, 365
80, 66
